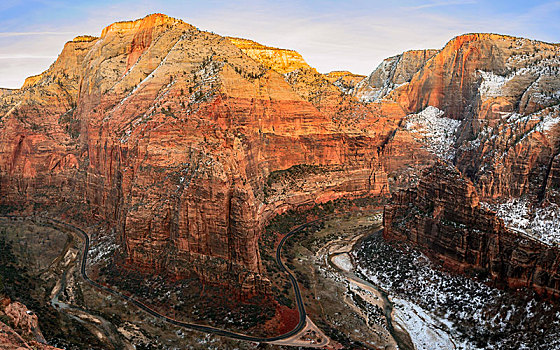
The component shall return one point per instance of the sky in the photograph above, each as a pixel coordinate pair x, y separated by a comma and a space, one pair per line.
353, 35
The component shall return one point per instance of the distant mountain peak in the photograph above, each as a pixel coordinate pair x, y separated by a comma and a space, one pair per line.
153, 20
280, 60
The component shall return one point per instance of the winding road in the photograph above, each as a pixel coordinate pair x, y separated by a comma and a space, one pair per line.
197, 327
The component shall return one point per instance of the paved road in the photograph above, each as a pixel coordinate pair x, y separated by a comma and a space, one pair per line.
193, 326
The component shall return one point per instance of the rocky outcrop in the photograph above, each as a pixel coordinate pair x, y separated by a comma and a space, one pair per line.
38, 130
503, 93
280, 60
346, 81
443, 217
552, 189
515, 157
22, 329
84, 38
487, 104
32, 80
169, 135
25, 320
392, 73
494, 63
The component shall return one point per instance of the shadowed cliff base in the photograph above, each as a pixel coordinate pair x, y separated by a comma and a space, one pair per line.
443, 217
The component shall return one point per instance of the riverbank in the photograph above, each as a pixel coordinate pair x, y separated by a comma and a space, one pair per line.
409, 325
474, 314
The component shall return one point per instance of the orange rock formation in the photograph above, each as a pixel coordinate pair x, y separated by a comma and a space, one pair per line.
169, 134
173, 136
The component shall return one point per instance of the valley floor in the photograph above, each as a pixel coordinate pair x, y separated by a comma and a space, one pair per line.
380, 296
359, 290
43, 273
386, 322
472, 314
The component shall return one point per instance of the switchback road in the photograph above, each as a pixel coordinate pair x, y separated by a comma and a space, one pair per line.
193, 326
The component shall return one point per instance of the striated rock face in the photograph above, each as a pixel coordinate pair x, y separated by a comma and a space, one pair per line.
552, 189
344, 80
172, 136
38, 147
474, 68
24, 332
489, 104
392, 73
280, 60
515, 157
444, 218
503, 91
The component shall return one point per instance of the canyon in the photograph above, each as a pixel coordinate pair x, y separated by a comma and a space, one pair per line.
443, 216
169, 134
184, 145
501, 144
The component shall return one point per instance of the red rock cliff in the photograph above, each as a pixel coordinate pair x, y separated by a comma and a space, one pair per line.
503, 93
169, 134
443, 217
392, 73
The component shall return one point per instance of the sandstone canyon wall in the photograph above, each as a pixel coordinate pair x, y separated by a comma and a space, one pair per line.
169, 134
489, 105
392, 73
444, 218
177, 138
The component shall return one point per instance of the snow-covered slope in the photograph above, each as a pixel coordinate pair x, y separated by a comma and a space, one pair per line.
542, 223
437, 132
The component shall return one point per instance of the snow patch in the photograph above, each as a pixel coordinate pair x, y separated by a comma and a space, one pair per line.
386, 72
514, 213
343, 262
423, 329
546, 224
491, 85
542, 223
547, 123
474, 315
438, 132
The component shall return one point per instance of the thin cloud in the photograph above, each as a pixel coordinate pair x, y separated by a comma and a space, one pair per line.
16, 57
12, 34
440, 4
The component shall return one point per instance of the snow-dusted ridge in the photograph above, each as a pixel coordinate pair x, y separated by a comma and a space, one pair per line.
435, 130
542, 223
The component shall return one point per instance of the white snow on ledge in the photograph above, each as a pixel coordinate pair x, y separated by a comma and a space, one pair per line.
542, 224
514, 213
437, 131
424, 330
491, 85
547, 123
